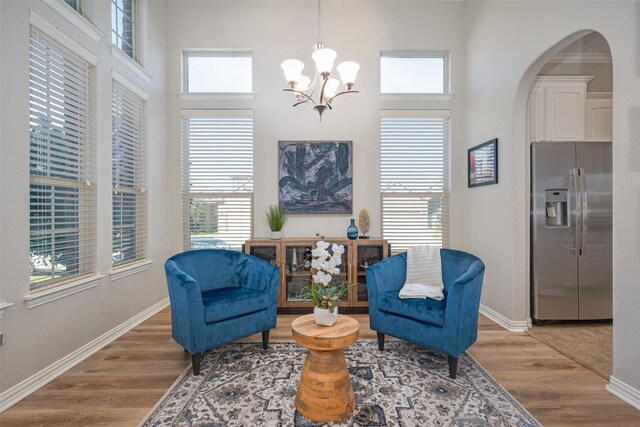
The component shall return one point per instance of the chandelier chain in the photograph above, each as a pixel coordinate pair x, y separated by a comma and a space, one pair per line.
319, 36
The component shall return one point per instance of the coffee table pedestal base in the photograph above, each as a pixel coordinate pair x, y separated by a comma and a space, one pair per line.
325, 392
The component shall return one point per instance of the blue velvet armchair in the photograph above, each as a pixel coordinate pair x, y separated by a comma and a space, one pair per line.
218, 296
449, 326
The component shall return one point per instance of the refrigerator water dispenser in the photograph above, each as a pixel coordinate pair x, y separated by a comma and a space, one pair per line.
556, 208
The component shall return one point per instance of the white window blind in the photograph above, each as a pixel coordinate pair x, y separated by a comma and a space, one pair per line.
123, 26
129, 176
217, 178
414, 178
62, 209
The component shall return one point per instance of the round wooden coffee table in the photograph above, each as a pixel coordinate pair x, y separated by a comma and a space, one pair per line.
325, 392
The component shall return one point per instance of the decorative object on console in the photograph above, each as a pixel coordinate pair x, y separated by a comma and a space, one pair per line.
325, 295
363, 223
329, 88
315, 177
308, 257
294, 260
276, 218
482, 164
352, 230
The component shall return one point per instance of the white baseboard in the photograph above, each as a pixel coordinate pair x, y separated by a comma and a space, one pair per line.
624, 391
509, 325
33, 383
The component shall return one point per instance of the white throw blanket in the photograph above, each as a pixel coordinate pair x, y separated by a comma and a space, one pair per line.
424, 273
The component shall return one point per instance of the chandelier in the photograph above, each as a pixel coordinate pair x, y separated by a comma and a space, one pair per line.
328, 87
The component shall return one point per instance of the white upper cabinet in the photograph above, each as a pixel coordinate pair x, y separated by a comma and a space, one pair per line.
558, 108
599, 115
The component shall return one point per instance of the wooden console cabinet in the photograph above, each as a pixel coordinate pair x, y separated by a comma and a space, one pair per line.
293, 257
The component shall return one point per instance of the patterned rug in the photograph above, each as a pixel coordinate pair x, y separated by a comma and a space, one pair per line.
242, 385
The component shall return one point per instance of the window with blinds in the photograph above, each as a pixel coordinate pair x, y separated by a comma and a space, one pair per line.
414, 178
217, 178
123, 26
62, 205
129, 176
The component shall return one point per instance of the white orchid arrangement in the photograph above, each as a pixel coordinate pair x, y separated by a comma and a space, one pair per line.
326, 262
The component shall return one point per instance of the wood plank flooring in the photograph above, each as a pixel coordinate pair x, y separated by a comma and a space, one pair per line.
120, 384
589, 344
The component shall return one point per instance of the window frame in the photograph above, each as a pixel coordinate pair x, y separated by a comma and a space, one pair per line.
444, 194
80, 6
135, 27
396, 53
86, 211
139, 172
217, 53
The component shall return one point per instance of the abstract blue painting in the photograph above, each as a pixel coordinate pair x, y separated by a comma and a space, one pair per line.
315, 177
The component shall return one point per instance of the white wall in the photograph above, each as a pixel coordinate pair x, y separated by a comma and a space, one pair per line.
37, 337
278, 30
508, 43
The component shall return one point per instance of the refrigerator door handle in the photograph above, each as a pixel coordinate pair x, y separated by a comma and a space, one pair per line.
576, 228
584, 214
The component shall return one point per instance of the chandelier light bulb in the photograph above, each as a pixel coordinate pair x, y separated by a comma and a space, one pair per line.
331, 88
303, 83
348, 71
292, 69
324, 60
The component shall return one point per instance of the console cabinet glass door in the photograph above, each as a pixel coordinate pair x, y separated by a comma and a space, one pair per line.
267, 252
298, 271
366, 254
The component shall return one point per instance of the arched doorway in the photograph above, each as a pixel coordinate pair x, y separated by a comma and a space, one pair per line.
568, 91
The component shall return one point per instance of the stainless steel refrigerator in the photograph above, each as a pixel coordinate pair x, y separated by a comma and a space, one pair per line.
571, 224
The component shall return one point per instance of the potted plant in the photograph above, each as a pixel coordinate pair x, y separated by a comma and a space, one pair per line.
325, 292
276, 218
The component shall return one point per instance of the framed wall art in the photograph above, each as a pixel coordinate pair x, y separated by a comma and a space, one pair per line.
482, 164
315, 177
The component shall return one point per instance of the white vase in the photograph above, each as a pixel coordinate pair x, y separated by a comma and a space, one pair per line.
324, 317
276, 234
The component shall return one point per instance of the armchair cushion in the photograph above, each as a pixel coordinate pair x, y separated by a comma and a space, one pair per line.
227, 303
426, 310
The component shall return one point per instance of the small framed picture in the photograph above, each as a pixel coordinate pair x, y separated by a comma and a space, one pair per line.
483, 164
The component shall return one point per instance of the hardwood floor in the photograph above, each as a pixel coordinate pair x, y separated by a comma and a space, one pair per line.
589, 344
120, 384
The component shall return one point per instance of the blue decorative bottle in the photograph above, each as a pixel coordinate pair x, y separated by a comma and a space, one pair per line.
352, 230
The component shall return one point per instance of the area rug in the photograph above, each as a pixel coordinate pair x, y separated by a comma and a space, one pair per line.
242, 385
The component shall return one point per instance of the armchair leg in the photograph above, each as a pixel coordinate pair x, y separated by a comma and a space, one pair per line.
453, 366
195, 361
265, 339
380, 341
